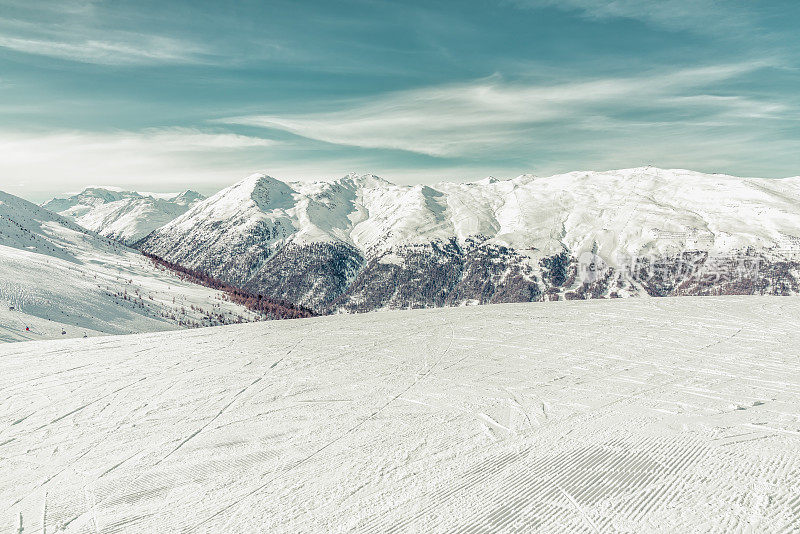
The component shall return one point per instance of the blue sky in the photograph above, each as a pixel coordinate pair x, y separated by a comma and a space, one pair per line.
165, 95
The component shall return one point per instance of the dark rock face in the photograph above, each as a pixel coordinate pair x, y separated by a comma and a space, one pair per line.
314, 274
441, 274
494, 274
745, 273
329, 277
555, 269
332, 276
414, 276
695, 273
233, 261
311, 275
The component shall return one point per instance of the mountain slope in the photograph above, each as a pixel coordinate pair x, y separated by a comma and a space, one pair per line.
58, 279
125, 216
638, 415
361, 243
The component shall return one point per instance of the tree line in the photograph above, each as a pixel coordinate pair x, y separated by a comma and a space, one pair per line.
271, 308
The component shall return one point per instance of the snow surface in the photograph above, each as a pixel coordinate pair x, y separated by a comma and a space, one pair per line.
59, 277
651, 415
126, 216
617, 214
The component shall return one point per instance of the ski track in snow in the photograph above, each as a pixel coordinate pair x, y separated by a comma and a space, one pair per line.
648, 415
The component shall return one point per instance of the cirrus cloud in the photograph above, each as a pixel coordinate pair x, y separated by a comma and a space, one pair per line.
490, 116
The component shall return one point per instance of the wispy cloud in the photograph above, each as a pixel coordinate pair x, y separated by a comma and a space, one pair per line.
703, 16
79, 31
130, 50
489, 116
153, 140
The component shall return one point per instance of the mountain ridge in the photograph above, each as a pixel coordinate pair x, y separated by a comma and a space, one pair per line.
125, 216
360, 242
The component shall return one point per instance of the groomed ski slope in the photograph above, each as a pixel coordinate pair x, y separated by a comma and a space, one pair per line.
651, 415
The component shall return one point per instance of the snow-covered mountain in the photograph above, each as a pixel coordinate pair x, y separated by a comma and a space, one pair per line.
361, 243
637, 415
57, 277
126, 216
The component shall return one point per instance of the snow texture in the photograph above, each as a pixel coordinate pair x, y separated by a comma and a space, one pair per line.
637, 415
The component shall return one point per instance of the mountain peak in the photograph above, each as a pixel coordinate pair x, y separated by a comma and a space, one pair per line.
269, 194
187, 197
365, 180
266, 192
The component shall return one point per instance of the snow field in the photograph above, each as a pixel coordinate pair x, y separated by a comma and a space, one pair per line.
641, 415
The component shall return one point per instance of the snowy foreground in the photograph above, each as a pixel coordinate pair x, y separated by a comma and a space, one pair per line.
651, 415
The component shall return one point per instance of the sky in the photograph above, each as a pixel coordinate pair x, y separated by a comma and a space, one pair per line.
171, 94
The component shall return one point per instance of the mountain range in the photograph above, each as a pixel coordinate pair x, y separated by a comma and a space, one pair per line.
361, 243
125, 216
